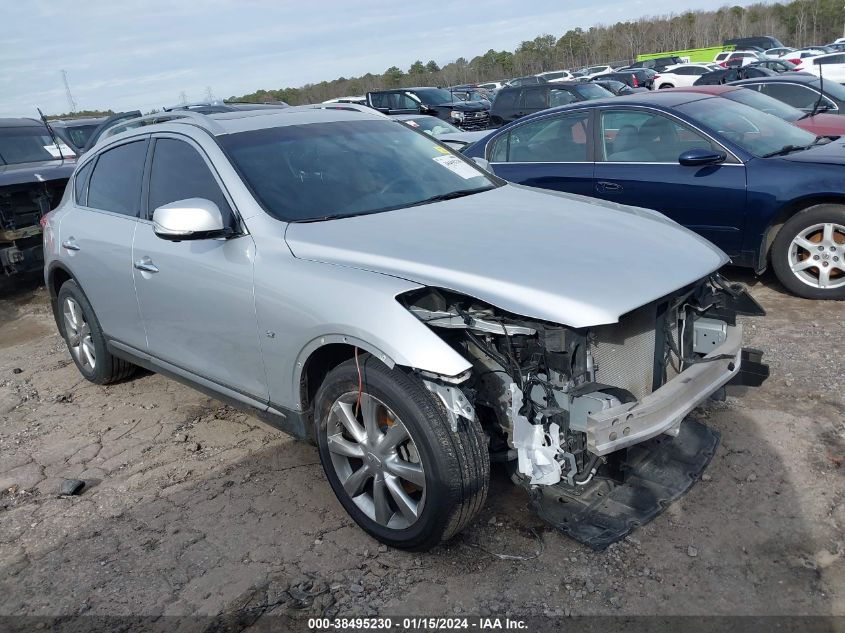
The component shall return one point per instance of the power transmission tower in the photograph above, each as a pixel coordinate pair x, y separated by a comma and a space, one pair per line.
70, 100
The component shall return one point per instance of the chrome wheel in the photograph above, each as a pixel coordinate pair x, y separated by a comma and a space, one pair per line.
376, 460
817, 256
79, 335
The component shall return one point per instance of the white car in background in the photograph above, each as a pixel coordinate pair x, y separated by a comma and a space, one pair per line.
728, 56
357, 100
553, 76
830, 66
797, 56
776, 53
492, 85
594, 71
682, 75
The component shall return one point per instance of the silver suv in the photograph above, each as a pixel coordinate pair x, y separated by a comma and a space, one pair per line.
356, 283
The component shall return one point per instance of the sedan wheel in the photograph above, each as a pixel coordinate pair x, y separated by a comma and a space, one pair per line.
376, 460
79, 335
808, 253
817, 256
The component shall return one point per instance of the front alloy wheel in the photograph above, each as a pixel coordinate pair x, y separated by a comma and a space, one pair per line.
817, 255
376, 460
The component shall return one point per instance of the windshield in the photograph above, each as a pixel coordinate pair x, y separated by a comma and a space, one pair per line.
434, 96
432, 125
764, 103
345, 168
591, 91
26, 145
756, 132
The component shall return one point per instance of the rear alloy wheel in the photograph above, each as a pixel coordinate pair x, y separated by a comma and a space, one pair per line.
808, 254
392, 459
81, 330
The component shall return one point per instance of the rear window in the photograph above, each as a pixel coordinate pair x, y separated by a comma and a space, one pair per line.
116, 181
591, 91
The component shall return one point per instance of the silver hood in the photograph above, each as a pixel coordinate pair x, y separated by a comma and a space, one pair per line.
558, 257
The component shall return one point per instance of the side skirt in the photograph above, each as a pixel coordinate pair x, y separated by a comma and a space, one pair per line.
291, 422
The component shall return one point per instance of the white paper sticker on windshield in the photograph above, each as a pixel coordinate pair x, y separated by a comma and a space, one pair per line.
456, 165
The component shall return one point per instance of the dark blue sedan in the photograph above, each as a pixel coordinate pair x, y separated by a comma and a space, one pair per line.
763, 190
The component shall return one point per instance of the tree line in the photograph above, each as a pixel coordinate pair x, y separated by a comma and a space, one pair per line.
798, 23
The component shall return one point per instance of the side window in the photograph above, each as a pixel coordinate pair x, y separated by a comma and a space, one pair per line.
506, 100
560, 97
534, 99
380, 100
80, 184
116, 181
630, 136
561, 139
795, 95
406, 102
178, 173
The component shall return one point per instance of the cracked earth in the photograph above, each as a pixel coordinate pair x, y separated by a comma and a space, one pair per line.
193, 508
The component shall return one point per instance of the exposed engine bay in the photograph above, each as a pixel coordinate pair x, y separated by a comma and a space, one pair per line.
21, 208
563, 406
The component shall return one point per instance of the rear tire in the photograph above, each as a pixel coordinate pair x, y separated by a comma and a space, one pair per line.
662, 86
808, 254
81, 330
453, 468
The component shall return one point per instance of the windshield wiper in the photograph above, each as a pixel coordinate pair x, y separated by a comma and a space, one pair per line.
460, 193
324, 218
788, 149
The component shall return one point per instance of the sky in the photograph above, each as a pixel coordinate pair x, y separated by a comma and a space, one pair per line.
143, 54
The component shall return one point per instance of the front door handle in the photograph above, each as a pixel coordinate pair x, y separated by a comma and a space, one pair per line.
70, 244
608, 186
146, 265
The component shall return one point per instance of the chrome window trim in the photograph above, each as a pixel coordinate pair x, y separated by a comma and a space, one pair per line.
674, 117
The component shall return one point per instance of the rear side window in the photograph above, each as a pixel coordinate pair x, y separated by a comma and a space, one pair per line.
506, 100
116, 181
178, 173
80, 184
534, 99
561, 139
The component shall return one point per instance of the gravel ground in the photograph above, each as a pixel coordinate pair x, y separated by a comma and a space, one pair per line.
193, 508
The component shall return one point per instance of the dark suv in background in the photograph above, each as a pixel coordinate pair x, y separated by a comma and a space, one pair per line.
513, 103
633, 77
439, 102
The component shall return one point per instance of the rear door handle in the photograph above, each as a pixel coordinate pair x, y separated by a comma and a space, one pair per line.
603, 185
70, 244
146, 264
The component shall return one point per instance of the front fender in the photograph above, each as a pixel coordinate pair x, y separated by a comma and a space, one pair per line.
324, 304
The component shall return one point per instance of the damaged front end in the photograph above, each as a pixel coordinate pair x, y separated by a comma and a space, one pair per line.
591, 420
22, 205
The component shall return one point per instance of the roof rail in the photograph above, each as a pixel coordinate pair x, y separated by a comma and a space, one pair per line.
354, 107
201, 120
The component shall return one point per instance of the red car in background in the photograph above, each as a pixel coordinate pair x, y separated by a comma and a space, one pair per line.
821, 124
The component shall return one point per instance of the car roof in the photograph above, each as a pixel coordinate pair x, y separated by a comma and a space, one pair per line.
222, 123
76, 122
789, 78
20, 122
706, 89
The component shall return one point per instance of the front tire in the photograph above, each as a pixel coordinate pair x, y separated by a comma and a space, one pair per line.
392, 459
808, 254
81, 330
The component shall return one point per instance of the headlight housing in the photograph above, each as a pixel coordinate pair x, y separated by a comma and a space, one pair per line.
457, 116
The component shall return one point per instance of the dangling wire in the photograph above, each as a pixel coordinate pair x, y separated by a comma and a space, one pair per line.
360, 384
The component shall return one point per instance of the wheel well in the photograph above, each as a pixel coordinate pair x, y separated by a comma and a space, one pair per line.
666, 86
58, 276
318, 365
781, 218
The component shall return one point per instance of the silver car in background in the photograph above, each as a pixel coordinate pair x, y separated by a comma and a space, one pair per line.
355, 283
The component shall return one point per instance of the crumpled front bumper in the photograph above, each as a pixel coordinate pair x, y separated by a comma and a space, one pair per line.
663, 410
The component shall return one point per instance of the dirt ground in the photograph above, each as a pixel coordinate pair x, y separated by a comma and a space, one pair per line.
191, 507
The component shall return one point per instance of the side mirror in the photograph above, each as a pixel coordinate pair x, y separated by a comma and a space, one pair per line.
700, 156
423, 108
483, 163
191, 219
